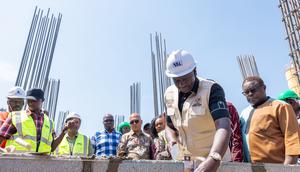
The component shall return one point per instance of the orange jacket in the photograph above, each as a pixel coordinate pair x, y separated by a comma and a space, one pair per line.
3, 116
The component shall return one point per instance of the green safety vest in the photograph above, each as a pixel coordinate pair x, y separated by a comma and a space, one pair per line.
80, 147
26, 130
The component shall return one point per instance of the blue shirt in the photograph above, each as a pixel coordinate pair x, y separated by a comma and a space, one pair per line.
105, 143
244, 122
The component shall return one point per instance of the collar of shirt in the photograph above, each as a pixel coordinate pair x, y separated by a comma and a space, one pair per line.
194, 89
29, 112
113, 131
138, 134
68, 137
261, 102
195, 86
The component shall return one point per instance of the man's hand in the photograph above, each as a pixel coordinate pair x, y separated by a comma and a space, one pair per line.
290, 159
209, 164
171, 137
68, 125
9, 149
171, 144
173, 150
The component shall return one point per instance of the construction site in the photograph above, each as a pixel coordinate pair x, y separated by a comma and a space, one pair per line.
90, 79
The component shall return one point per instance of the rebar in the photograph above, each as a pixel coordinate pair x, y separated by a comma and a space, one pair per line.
135, 98
160, 81
247, 65
37, 58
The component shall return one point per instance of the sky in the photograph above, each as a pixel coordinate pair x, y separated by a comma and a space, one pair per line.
103, 47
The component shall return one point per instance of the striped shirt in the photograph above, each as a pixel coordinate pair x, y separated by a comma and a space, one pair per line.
105, 143
7, 130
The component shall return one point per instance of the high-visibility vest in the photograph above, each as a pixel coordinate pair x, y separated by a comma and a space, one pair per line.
3, 116
80, 147
26, 130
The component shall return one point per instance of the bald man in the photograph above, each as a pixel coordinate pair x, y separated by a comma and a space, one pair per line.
105, 142
135, 144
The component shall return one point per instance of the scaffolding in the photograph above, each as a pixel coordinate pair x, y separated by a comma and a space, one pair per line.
291, 19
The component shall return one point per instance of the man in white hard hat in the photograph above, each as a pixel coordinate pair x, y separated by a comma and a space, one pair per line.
198, 110
15, 102
15, 99
74, 143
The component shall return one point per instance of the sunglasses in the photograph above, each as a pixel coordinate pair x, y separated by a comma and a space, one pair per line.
109, 120
252, 90
134, 121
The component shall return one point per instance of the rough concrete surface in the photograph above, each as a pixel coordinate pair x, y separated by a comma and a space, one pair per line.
247, 167
52, 164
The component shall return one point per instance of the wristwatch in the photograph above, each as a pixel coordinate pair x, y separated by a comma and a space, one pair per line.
216, 156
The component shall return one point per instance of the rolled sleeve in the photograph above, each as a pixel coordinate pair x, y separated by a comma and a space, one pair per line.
53, 133
121, 150
91, 149
217, 102
93, 143
290, 129
7, 130
235, 143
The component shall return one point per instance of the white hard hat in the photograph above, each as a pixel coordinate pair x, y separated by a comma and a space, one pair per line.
180, 63
72, 115
16, 93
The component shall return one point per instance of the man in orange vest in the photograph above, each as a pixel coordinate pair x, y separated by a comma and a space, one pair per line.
15, 102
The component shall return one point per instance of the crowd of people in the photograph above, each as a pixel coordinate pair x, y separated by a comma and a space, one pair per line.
199, 127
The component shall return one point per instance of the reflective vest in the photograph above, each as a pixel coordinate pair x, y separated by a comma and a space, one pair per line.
195, 124
26, 130
3, 116
80, 147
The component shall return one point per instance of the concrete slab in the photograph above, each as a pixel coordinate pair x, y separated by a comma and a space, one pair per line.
51, 164
19, 163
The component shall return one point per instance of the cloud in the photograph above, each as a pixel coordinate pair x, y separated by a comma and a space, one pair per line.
8, 72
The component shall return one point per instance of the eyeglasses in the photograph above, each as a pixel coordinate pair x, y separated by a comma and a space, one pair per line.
134, 121
252, 90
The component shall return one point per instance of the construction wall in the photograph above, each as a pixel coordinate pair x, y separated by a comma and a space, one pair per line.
49, 164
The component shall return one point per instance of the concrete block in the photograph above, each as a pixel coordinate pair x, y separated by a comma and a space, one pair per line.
21, 163
247, 167
52, 164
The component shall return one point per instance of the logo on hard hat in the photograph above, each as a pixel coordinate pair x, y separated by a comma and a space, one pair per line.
178, 63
